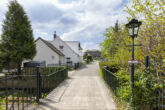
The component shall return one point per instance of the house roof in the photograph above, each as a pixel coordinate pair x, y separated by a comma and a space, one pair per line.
75, 42
68, 46
51, 46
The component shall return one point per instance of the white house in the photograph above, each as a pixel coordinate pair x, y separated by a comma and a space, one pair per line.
48, 53
75, 45
70, 55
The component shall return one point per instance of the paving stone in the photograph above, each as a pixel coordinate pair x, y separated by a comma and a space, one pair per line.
84, 90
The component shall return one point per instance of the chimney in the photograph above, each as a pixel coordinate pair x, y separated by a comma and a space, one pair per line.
55, 35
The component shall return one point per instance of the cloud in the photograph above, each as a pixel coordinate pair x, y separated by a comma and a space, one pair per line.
82, 20
45, 13
90, 46
95, 18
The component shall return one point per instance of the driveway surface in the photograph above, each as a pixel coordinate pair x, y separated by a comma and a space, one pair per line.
84, 90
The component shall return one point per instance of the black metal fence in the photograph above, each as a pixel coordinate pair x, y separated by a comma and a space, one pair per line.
76, 65
20, 91
51, 80
112, 81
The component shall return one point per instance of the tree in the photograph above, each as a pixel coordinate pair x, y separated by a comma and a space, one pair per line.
17, 42
152, 34
115, 39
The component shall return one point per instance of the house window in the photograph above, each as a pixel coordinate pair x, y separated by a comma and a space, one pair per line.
68, 61
61, 47
52, 57
68, 58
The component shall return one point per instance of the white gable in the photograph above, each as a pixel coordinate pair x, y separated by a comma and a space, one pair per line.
44, 53
75, 46
66, 50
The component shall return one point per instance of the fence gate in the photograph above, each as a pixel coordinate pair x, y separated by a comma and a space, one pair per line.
21, 91
157, 70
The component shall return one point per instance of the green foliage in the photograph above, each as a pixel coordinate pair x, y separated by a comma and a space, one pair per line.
113, 67
88, 58
85, 56
145, 96
2, 101
50, 70
123, 91
70, 68
100, 73
17, 37
144, 91
114, 38
151, 36
43, 95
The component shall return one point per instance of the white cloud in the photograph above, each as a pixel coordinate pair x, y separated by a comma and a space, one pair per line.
83, 20
95, 18
90, 46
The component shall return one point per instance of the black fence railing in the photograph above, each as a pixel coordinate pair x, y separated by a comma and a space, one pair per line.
51, 81
76, 65
112, 81
119, 87
18, 92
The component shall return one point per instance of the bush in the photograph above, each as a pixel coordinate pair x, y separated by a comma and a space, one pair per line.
144, 92
89, 57
49, 70
70, 68
2, 101
123, 91
113, 67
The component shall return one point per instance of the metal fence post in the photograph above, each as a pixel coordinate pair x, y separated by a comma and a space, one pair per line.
38, 85
6, 85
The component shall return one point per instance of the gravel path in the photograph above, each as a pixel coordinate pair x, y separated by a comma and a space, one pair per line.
84, 90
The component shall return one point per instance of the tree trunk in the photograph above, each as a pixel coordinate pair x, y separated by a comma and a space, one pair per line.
19, 68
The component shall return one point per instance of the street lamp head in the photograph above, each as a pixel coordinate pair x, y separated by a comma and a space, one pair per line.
133, 27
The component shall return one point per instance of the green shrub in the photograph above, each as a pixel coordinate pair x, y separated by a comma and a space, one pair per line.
70, 68
88, 61
49, 70
113, 67
89, 57
2, 101
144, 92
123, 92
145, 96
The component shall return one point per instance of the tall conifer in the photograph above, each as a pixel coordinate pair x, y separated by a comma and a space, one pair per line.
17, 42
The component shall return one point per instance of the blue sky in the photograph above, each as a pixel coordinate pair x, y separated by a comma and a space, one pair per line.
76, 20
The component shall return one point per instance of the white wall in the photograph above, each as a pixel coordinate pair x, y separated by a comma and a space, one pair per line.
67, 51
44, 53
75, 47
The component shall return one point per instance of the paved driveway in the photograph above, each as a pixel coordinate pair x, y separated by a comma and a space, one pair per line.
84, 90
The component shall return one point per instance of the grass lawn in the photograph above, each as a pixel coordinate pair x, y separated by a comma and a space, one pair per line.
100, 73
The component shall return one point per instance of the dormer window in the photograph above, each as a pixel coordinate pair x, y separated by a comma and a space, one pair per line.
68, 58
61, 47
52, 57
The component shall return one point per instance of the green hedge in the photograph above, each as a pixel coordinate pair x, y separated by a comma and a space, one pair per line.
144, 91
50, 70
113, 67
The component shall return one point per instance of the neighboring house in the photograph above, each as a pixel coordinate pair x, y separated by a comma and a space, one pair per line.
93, 53
71, 57
48, 53
75, 45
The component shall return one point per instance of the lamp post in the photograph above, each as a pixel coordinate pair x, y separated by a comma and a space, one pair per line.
133, 28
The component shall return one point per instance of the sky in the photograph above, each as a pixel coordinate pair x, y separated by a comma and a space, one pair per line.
73, 20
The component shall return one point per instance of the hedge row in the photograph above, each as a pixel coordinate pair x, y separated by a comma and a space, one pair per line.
113, 67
